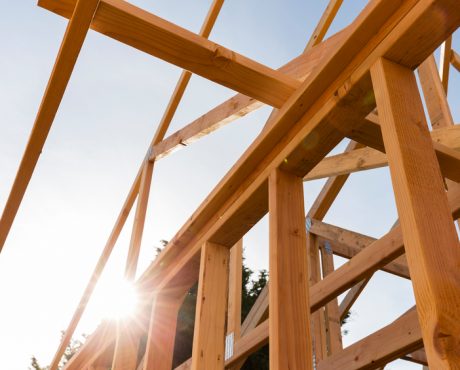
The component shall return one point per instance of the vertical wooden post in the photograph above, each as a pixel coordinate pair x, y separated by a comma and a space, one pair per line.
234, 290
209, 336
127, 345
289, 319
430, 239
333, 322
162, 333
444, 62
318, 324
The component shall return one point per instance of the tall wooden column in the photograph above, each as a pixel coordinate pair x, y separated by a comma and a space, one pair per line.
127, 345
289, 319
162, 333
209, 336
430, 239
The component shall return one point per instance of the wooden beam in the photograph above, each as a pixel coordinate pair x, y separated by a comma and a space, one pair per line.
325, 22
240, 105
162, 333
455, 60
435, 95
209, 335
77, 28
444, 62
368, 158
127, 345
290, 342
431, 241
333, 321
385, 345
351, 297
418, 357
234, 291
145, 31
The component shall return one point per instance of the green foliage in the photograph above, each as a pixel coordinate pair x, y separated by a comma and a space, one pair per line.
70, 350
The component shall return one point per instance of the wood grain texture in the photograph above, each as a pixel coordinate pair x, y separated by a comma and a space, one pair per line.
209, 335
290, 342
145, 31
162, 333
75, 34
431, 241
444, 62
455, 60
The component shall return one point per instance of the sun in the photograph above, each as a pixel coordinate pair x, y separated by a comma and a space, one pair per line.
117, 299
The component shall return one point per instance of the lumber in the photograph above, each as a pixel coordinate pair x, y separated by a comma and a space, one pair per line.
444, 62
234, 291
351, 297
325, 22
126, 345
162, 333
290, 342
431, 241
209, 334
435, 95
455, 60
368, 158
387, 344
75, 34
162, 39
239, 201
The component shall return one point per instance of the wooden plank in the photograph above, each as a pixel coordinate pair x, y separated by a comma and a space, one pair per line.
444, 62
77, 28
209, 335
351, 297
431, 241
235, 290
290, 342
346, 243
455, 60
368, 158
126, 345
435, 95
146, 32
325, 22
379, 348
418, 357
333, 322
162, 333
240, 105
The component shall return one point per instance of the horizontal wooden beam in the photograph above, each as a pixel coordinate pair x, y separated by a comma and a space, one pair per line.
387, 344
151, 34
240, 105
368, 158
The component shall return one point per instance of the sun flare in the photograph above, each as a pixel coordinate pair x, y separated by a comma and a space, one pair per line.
118, 300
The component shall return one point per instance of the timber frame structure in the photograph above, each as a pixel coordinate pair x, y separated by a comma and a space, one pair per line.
359, 84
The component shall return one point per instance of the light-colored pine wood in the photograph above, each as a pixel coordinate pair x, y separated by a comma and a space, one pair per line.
235, 290
209, 335
332, 315
431, 241
148, 33
290, 343
126, 346
387, 344
435, 95
444, 62
455, 60
368, 158
162, 333
351, 297
324, 23
71, 44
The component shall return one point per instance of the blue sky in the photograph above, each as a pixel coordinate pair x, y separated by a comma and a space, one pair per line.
107, 118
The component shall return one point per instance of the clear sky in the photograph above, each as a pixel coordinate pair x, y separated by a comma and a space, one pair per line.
108, 116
